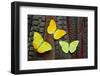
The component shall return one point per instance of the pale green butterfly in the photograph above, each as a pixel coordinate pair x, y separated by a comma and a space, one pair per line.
66, 47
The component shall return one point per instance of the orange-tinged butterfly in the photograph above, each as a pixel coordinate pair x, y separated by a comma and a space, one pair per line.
52, 29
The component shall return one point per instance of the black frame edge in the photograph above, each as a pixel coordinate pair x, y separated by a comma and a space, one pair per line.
55, 5
96, 37
14, 38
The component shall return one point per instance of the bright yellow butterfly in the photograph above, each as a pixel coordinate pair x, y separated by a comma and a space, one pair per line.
39, 44
66, 47
52, 29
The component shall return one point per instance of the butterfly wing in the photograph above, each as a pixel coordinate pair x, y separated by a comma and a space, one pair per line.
73, 46
52, 27
59, 33
45, 46
65, 46
37, 40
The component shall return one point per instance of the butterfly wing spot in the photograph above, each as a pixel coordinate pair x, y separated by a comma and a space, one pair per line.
59, 33
73, 46
44, 47
64, 45
52, 27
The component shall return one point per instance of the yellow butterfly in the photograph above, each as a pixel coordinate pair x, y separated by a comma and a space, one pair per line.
52, 29
39, 44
